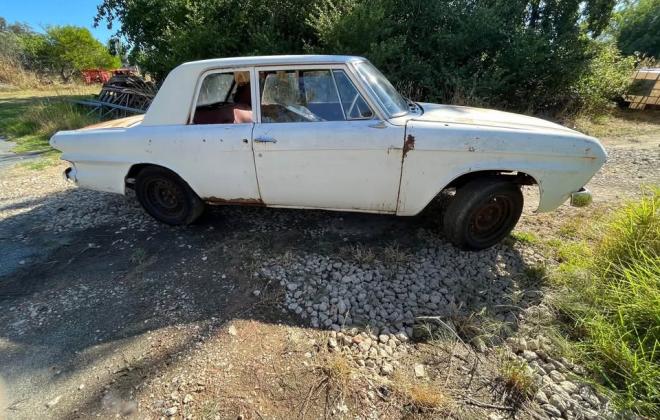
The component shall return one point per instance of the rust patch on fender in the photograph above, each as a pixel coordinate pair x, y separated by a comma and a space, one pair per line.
408, 145
235, 201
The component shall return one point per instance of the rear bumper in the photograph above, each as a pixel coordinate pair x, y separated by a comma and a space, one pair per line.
581, 198
70, 174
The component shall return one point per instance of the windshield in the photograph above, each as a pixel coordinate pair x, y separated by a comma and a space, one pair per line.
393, 103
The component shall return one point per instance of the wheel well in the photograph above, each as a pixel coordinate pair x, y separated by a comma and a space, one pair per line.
135, 170
516, 177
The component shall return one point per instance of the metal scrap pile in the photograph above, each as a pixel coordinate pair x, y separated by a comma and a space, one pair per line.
128, 91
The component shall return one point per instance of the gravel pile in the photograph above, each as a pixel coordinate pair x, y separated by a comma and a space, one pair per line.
626, 169
376, 352
436, 280
58, 206
561, 394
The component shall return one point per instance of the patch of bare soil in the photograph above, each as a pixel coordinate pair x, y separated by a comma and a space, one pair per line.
264, 313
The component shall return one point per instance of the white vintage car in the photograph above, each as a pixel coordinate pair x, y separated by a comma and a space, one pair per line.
327, 132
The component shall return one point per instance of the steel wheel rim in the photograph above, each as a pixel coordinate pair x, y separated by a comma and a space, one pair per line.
165, 197
490, 220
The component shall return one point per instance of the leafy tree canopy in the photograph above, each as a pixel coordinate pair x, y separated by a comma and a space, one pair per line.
638, 26
65, 50
520, 54
70, 49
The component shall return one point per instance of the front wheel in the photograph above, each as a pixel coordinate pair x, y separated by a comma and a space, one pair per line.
482, 213
167, 197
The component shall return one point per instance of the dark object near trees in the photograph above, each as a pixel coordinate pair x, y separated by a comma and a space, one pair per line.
123, 95
482, 213
128, 90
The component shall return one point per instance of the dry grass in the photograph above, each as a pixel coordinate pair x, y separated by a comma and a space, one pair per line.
621, 124
338, 373
518, 380
425, 396
421, 396
393, 254
14, 76
362, 254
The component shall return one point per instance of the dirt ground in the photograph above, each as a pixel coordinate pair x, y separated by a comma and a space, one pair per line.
106, 313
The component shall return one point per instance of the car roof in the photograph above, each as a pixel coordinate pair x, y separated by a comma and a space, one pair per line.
273, 60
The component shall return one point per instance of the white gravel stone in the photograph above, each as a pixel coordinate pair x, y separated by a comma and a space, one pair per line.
552, 410
558, 402
387, 369
420, 372
569, 387
557, 376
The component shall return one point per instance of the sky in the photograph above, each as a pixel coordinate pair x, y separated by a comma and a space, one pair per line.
41, 13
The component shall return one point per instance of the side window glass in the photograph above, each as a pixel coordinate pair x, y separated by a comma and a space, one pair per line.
355, 107
224, 98
299, 96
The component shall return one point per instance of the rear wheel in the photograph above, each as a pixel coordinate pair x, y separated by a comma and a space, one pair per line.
482, 213
166, 197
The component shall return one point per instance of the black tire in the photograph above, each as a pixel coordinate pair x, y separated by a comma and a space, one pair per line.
482, 213
167, 197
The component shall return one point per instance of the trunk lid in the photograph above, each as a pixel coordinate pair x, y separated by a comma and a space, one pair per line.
118, 123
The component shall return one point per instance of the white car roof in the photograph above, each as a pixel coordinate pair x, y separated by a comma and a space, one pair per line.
271, 60
174, 99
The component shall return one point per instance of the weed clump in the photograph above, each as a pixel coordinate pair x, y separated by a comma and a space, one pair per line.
611, 302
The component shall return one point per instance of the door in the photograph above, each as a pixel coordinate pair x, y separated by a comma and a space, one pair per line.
213, 152
319, 144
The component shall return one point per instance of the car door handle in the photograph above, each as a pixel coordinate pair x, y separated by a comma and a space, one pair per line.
265, 139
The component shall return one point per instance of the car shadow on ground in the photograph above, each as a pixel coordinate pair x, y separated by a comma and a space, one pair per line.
89, 273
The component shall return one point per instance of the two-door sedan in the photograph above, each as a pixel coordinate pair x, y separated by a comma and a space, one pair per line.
327, 132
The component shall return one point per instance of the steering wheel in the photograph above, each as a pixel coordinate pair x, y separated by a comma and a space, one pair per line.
353, 103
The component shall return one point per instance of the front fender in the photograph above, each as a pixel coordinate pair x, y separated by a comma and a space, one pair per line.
441, 153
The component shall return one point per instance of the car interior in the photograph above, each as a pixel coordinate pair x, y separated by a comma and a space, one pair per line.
286, 96
224, 98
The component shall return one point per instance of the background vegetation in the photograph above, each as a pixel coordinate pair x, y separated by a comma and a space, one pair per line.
611, 303
526, 55
637, 27
28, 58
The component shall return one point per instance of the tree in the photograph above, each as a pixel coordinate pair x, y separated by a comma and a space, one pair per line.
69, 49
638, 28
164, 33
518, 54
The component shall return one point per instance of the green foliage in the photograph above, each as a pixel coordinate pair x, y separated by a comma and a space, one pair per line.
606, 79
70, 49
165, 33
517, 54
512, 54
638, 28
612, 299
64, 50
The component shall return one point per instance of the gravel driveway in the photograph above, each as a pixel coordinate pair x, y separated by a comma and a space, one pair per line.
96, 299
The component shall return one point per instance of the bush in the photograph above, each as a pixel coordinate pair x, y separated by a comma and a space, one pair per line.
613, 303
514, 54
606, 79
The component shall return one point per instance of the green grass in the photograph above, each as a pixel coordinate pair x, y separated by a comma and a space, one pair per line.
525, 237
30, 118
610, 301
